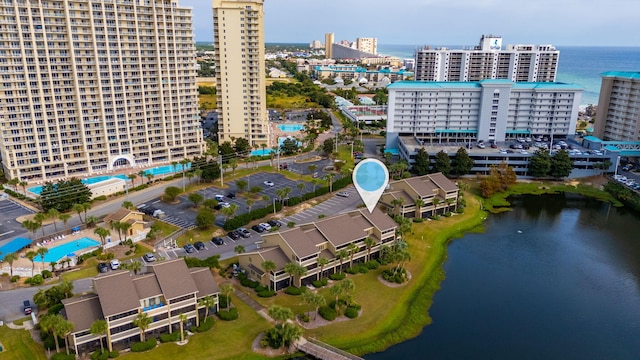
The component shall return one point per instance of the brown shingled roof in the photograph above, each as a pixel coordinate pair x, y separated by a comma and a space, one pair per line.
147, 286
442, 181
276, 255
205, 282
118, 215
301, 245
379, 219
174, 278
82, 311
343, 229
422, 185
117, 292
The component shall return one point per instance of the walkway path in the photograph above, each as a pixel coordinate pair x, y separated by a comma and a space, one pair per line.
253, 304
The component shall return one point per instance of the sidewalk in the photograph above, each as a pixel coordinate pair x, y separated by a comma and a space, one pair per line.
252, 303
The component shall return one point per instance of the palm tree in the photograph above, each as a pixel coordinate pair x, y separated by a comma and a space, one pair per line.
99, 328
315, 183
250, 203
149, 176
280, 314
312, 168
64, 217
233, 163
352, 249
189, 176
229, 211
301, 187
348, 286
269, 266
315, 300
91, 221
128, 205
226, 290
31, 226
135, 266
207, 302
42, 251
86, 207
10, 258
419, 204
435, 202
448, 201
78, 208
341, 255
52, 263
290, 268
369, 243
53, 214
322, 262
336, 290
24, 186
117, 226
174, 164
198, 173
132, 177
102, 233
329, 179
39, 218
31, 255
183, 319
142, 321
397, 204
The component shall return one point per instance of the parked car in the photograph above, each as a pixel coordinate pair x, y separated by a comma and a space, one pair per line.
218, 240
268, 183
494, 145
149, 257
233, 235
231, 195
103, 267
114, 264
283, 166
627, 167
244, 232
199, 245
266, 226
343, 194
219, 197
189, 248
274, 223
481, 145
26, 307
258, 228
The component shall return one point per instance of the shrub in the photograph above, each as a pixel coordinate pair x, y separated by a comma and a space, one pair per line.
114, 354
99, 355
100, 198
317, 284
62, 356
48, 340
222, 301
291, 224
15, 278
230, 315
144, 346
55, 309
260, 288
327, 313
210, 262
249, 283
418, 220
352, 270
398, 277
205, 324
372, 264
292, 290
320, 216
173, 337
351, 312
303, 317
337, 276
129, 252
362, 269
447, 214
266, 293
46, 274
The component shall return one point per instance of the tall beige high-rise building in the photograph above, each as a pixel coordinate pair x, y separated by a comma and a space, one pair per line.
369, 45
238, 30
328, 45
618, 115
93, 85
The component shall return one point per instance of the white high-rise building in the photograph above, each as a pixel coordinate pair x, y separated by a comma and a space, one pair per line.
92, 85
618, 115
238, 30
368, 45
488, 60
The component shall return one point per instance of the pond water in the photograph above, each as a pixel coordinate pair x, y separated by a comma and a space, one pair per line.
555, 278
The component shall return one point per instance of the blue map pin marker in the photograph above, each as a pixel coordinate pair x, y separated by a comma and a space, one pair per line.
370, 178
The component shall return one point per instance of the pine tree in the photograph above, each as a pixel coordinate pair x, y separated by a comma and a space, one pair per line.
461, 164
422, 164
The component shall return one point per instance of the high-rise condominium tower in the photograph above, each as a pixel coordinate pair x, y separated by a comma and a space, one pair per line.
529, 63
238, 30
618, 115
89, 85
369, 45
329, 39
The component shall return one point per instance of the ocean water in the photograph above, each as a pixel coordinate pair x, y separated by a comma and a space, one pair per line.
579, 65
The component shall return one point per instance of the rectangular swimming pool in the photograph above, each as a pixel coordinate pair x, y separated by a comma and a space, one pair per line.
290, 127
58, 252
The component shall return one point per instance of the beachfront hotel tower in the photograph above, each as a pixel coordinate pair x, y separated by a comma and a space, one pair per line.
93, 85
618, 115
238, 31
488, 60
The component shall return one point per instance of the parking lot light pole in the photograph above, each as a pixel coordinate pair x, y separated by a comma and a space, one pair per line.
274, 206
221, 173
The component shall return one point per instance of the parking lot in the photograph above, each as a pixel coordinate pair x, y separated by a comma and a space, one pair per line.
333, 206
9, 212
183, 214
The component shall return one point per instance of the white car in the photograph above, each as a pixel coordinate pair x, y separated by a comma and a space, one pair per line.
115, 264
268, 183
265, 226
225, 204
343, 194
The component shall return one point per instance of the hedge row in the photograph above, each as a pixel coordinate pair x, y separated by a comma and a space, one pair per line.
144, 346
205, 325
230, 315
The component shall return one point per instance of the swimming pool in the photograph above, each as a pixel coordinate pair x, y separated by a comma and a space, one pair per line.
58, 252
157, 171
261, 152
282, 139
290, 127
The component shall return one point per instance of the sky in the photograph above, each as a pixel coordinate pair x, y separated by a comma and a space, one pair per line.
443, 22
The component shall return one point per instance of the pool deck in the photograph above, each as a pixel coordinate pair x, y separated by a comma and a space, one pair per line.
22, 266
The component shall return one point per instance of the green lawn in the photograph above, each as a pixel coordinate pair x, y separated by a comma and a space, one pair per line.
89, 269
18, 345
226, 340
